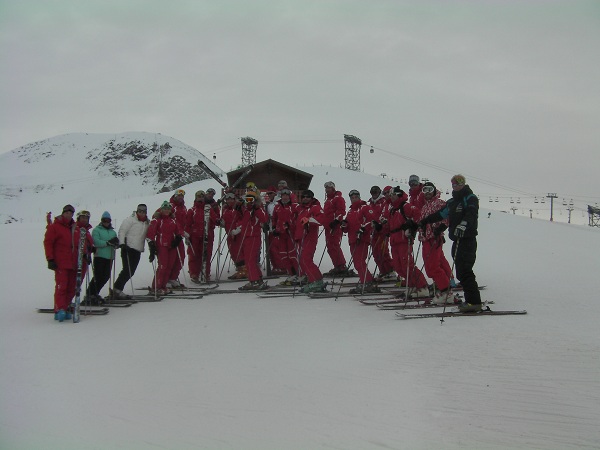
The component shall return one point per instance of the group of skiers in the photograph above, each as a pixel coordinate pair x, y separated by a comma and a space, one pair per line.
383, 228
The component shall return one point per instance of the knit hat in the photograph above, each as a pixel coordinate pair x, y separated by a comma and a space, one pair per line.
413, 180
166, 205
199, 193
398, 191
329, 184
459, 180
68, 208
180, 192
105, 215
387, 189
353, 192
375, 190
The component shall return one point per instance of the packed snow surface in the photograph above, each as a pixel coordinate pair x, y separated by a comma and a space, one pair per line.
238, 371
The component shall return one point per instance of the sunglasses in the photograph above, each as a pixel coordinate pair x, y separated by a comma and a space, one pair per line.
106, 220
306, 196
142, 211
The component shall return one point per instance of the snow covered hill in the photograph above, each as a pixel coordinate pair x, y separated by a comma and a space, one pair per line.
237, 371
108, 165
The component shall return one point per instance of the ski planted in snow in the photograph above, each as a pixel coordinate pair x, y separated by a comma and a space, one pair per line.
80, 250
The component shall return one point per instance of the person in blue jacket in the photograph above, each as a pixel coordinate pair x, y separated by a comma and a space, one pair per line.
462, 211
105, 242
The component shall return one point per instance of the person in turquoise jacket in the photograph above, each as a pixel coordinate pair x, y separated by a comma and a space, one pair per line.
105, 242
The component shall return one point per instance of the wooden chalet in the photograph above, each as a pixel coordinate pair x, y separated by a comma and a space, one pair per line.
266, 174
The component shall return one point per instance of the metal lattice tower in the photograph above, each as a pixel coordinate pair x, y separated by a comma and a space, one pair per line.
249, 151
352, 144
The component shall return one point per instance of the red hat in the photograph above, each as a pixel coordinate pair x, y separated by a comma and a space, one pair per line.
387, 189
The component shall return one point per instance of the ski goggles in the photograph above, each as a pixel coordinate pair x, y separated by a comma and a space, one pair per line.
250, 199
84, 213
428, 189
211, 191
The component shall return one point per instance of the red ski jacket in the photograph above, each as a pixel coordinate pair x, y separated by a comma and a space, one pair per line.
163, 230
314, 214
61, 242
360, 215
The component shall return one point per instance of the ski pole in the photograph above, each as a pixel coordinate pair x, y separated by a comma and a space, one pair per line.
452, 270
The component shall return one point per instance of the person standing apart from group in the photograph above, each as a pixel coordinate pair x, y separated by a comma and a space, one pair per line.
462, 212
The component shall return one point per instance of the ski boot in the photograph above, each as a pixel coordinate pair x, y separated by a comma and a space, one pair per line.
60, 315
469, 308
258, 285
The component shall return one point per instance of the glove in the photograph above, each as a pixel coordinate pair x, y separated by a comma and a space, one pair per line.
52, 265
266, 228
187, 242
304, 220
275, 233
460, 229
408, 233
377, 226
176, 241
360, 232
344, 223
152, 248
334, 224
122, 246
114, 242
439, 230
286, 225
236, 231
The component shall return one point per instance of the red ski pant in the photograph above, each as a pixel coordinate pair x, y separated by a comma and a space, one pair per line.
167, 257
196, 252
180, 258
275, 252
333, 242
235, 249
360, 252
433, 254
251, 250
307, 248
287, 254
65, 286
381, 253
402, 259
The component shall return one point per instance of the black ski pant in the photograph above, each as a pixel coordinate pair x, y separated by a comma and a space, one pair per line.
101, 271
130, 258
465, 253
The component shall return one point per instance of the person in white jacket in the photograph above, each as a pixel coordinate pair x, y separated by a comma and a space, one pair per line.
132, 238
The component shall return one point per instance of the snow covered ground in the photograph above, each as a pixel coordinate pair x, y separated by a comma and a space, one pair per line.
237, 371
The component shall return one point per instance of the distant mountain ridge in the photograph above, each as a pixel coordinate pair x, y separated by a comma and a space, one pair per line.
157, 161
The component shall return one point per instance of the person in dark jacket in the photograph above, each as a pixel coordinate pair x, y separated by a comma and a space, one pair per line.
462, 211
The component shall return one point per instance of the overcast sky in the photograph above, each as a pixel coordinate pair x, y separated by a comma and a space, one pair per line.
506, 92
